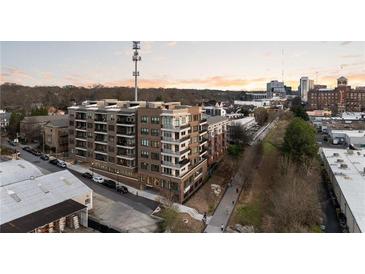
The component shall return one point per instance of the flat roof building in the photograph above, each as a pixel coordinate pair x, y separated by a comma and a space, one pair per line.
346, 169
31, 201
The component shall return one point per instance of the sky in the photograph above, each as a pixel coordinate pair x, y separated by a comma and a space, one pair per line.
214, 65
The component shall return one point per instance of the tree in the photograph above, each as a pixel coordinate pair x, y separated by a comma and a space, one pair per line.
42, 111
158, 98
299, 112
171, 217
14, 123
261, 115
239, 135
300, 141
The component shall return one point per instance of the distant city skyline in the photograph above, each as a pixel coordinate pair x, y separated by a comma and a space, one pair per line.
200, 65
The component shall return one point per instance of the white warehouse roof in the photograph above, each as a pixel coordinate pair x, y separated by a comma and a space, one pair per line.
24, 197
16, 171
351, 178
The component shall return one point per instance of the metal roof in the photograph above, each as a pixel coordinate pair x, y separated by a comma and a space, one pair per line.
25, 197
41, 217
350, 178
17, 170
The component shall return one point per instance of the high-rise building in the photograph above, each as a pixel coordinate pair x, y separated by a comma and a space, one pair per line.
157, 145
275, 88
304, 87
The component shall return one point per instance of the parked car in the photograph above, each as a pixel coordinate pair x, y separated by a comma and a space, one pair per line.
98, 179
61, 163
35, 152
44, 157
12, 143
87, 175
53, 161
110, 184
122, 189
26, 148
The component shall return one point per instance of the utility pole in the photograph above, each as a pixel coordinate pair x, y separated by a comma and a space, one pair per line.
136, 58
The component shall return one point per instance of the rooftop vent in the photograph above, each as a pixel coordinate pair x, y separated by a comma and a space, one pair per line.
336, 154
13, 195
45, 190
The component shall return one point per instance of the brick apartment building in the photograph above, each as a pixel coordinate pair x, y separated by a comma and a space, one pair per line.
217, 138
155, 145
340, 99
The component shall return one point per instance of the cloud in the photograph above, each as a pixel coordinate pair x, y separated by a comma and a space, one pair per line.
345, 43
14, 75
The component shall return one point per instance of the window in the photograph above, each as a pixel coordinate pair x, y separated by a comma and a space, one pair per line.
155, 120
111, 128
155, 132
144, 119
111, 149
111, 139
194, 150
195, 128
111, 117
155, 143
144, 165
71, 132
144, 154
71, 123
167, 146
111, 159
155, 168
144, 142
155, 156
196, 117
89, 125
167, 134
89, 144
167, 158
144, 131
89, 135
194, 139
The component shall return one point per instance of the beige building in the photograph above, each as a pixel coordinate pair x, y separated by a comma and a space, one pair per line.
152, 145
31, 127
56, 136
217, 138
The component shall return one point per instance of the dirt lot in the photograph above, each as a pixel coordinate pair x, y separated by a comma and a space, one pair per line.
176, 222
205, 200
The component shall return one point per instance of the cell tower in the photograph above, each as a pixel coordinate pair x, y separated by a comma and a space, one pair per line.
136, 59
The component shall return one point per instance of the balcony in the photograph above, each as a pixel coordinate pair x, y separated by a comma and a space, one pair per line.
203, 121
100, 129
173, 140
126, 163
100, 118
127, 122
176, 165
80, 116
80, 135
173, 152
172, 127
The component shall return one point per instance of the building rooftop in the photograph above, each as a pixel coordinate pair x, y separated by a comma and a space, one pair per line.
42, 119
26, 196
59, 122
348, 167
216, 119
16, 171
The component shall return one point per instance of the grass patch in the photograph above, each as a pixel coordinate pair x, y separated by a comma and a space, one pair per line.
249, 214
234, 150
268, 148
315, 229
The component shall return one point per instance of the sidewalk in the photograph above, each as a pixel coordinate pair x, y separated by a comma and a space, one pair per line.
179, 207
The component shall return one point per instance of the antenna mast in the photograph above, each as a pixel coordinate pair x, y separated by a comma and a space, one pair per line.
136, 59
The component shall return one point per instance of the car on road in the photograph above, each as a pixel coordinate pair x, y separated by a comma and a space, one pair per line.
110, 184
53, 161
12, 143
61, 163
35, 152
26, 148
98, 179
122, 189
44, 157
87, 175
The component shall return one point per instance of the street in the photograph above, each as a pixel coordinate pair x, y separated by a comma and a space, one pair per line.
138, 203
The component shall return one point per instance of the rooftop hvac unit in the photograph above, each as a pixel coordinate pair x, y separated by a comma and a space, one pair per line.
343, 166
336, 154
350, 151
340, 160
